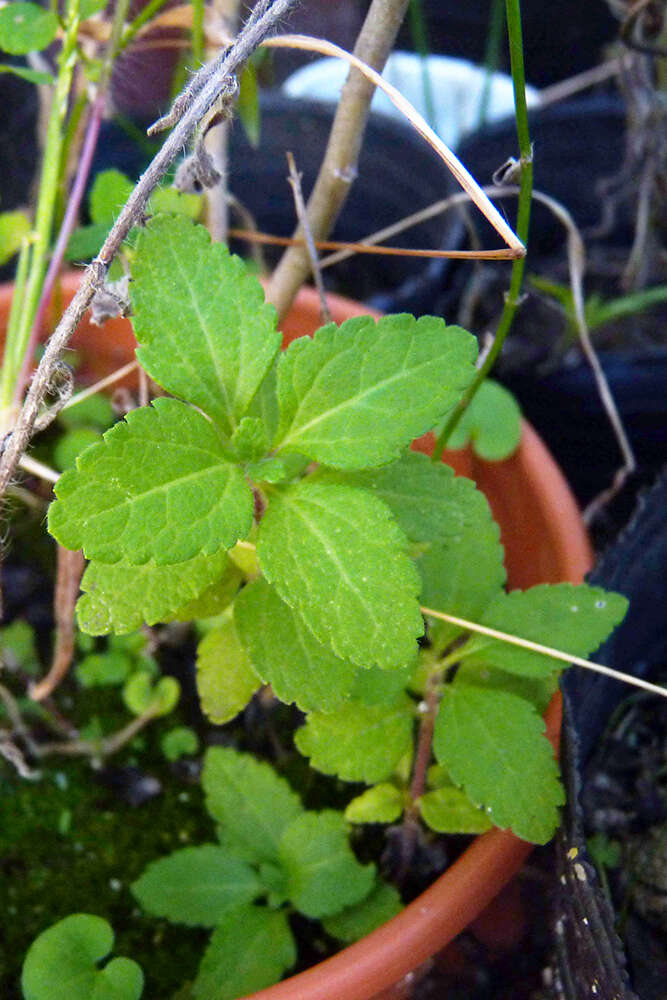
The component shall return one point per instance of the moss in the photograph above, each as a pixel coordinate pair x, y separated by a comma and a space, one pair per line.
68, 845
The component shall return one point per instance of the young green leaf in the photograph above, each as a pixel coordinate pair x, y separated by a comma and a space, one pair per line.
252, 804
358, 742
18, 649
62, 964
335, 555
249, 441
31, 75
109, 192
493, 745
355, 922
218, 351
14, 227
196, 885
285, 653
572, 618
449, 810
157, 487
492, 421
226, 679
26, 27
214, 600
382, 803
181, 741
354, 396
102, 669
251, 948
140, 695
120, 598
68, 447
323, 875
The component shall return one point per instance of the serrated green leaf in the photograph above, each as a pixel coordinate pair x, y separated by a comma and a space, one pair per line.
218, 351
101, 669
355, 395
381, 687
250, 949
277, 470
286, 655
493, 745
382, 803
86, 241
196, 885
537, 690
492, 422
179, 742
14, 226
173, 202
323, 875
61, 964
157, 487
355, 922
26, 27
574, 618
120, 597
249, 441
449, 810
264, 403
110, 191
215, 599
335, 555
358, 742
31, 75
226, 679
250, 801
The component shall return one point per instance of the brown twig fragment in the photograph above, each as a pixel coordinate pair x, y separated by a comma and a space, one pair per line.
68, 579
302, 215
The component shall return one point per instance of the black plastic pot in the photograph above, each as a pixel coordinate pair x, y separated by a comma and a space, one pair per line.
587, 949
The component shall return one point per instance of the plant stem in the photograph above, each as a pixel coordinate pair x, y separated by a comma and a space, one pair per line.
523, 221
213, 80
17, 339
339, 165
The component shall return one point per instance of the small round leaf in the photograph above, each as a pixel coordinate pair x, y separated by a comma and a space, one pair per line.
26, 27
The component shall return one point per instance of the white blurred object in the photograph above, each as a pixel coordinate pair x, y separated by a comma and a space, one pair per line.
463, 96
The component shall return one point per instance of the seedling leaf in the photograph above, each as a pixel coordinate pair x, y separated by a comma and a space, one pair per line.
251, 948
383, 803
179, 742
335, 555
61, 964
323, 875
252, 804
219, 349
493, 745
449, 810
492, 422
572, 618
196, 886
14, 227
157, 487
358, 742
356, 922
139, 694
26, 27
355, 395
285, 653
226, 680
120, 598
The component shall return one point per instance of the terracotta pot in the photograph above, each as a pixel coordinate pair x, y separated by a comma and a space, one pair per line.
545, 541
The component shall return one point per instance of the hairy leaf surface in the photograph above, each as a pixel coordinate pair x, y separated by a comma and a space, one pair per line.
252, 804
226, 680
335, 555
251, 948
158, 487
358, 742
493, 745
355, 395
196, 885
205, 333
120, 598
323, 875
285, 653
572, 618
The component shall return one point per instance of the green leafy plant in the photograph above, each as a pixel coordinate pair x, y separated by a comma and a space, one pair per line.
302, 459
273, 857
